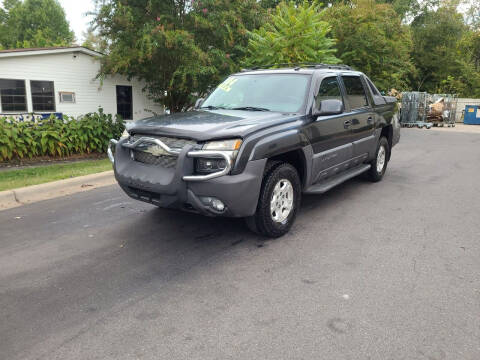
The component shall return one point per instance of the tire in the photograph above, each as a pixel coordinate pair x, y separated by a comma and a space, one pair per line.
379, 166
275, 215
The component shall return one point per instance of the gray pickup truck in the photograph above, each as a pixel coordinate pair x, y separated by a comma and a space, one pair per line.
257, 142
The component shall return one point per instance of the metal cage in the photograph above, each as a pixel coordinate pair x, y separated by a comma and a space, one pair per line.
416, 109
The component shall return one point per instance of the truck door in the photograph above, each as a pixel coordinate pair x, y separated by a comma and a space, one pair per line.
330, 135
361, 115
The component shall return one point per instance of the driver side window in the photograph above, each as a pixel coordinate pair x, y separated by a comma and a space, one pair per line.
329, 89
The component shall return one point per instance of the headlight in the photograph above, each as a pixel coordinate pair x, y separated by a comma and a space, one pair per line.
223, 145
208, 165
125, 134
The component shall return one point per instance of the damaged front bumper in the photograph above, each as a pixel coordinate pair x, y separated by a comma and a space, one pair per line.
177, 186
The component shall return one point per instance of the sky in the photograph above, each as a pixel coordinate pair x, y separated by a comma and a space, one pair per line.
75, 11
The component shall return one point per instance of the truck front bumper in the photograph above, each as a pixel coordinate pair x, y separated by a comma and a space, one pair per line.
166, 186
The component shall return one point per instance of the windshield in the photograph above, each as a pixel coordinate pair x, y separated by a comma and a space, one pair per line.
260, 92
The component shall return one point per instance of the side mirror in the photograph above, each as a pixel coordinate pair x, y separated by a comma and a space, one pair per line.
329, 107
199, 103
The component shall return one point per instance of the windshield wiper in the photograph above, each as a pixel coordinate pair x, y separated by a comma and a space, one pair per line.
251, 108
212, 107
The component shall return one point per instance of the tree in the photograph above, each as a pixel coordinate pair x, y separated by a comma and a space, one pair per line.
293, 34
93, 41
470, 47
409, 9
467, 77
436, 36
220, 24
5, 32
371, 38
473, 16
272, 4
34, 23
180, 48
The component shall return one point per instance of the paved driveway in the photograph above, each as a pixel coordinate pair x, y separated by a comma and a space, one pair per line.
369, 271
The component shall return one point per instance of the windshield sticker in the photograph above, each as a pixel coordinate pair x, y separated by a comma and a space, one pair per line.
227, 84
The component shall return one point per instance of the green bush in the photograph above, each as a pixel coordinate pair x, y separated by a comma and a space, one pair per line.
56, 137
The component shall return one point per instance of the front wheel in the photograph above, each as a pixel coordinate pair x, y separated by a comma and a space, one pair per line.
278, 202
379, 164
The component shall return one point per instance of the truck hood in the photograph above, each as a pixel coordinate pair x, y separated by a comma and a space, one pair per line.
207, 125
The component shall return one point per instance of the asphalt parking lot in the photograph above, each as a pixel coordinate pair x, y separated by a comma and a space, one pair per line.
370, 271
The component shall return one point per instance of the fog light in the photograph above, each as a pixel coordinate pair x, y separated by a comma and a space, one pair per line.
213, 203
218, 205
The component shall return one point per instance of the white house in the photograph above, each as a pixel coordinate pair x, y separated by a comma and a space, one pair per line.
64, 80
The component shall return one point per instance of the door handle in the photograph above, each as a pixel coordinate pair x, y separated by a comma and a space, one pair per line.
347, 123
370, 120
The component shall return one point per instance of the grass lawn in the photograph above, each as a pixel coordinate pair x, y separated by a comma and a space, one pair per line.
12, 179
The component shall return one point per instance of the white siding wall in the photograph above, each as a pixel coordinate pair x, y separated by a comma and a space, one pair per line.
76, 72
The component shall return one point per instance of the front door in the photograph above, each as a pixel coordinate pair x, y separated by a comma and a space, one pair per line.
124, 102
330, 135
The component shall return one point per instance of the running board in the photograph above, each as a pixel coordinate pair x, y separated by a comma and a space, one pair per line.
327, 184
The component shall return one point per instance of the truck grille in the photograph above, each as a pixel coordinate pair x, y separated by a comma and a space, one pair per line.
147, 156
166, 161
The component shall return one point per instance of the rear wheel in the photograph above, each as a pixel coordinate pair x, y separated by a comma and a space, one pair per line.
278, 202
379, 165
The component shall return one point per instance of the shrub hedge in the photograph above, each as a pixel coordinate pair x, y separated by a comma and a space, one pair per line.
56, 137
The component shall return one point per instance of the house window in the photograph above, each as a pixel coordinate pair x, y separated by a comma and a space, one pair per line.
124, 102
67, 97
13, 95
43, 96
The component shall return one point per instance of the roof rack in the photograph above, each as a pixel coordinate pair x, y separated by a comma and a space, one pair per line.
302, 65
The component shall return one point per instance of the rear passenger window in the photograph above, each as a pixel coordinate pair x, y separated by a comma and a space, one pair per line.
329, 89
377, 97
373, 88
356, 96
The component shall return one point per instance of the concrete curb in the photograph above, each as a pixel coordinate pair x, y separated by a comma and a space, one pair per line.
35, 193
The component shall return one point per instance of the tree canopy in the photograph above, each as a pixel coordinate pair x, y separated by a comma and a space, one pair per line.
371, 38
182, 48
294, 34
33, 23
441, 52
93, 41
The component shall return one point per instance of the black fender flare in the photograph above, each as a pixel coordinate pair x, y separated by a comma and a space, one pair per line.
282, 143
279, 143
